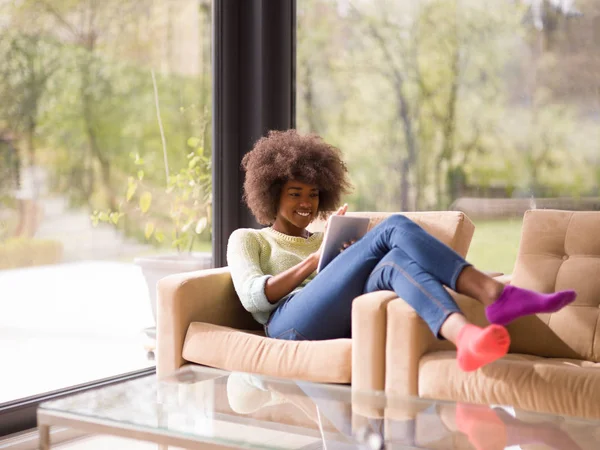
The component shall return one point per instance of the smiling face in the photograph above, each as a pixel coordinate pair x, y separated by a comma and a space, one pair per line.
298, 206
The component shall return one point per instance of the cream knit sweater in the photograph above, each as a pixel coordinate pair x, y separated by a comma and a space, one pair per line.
253, 256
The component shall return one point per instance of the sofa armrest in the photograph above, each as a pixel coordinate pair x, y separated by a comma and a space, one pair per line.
409, 339
200, 296
369, 317
504, 279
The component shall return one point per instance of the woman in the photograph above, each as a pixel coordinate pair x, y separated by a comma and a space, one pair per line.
291, 180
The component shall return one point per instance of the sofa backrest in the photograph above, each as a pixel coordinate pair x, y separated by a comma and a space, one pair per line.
453, 228
560, 250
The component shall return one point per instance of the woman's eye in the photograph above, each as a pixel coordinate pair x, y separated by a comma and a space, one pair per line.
314, 195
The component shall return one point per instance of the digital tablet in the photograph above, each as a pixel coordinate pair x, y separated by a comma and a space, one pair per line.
341, 229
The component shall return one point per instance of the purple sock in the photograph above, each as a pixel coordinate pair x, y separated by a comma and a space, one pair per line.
515, 302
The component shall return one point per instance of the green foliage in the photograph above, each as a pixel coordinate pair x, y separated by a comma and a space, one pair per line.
424, 98
416, 93
187, 196
80, 97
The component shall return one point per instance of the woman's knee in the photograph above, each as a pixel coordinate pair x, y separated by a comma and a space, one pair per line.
394, 260
395, 254
399, 220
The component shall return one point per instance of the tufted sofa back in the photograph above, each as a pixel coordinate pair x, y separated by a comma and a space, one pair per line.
560, 250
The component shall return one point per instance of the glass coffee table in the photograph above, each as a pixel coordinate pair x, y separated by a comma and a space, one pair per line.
200, 407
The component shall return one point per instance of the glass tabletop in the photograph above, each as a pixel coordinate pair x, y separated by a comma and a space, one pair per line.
251, 411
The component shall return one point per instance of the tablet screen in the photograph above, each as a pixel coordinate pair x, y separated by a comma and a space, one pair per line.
341, 229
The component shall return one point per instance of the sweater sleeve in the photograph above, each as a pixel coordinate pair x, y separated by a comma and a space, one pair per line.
243, 259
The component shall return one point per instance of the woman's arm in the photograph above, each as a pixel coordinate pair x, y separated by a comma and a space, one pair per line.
243, 258
278, 286
259, 292
281, 285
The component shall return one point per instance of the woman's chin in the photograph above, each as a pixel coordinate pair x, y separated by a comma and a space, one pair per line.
302, 222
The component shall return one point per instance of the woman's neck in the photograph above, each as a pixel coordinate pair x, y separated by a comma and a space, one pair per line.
290, 229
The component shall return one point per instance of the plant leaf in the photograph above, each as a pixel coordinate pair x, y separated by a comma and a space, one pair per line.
145, 201
149, 230
201, 225
114, 217
131, 188
193, 141
186, 227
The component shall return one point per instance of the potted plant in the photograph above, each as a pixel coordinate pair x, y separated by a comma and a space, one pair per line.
182, 215
175, 215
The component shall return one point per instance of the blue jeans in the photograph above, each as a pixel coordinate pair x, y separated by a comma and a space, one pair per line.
396, 255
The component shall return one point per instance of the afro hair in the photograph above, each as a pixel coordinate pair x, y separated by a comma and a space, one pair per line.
288, 155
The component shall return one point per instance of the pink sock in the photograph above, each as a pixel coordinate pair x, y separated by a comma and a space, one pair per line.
477, 347
515, 302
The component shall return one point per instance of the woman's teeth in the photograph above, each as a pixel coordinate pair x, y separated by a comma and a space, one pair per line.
303, 214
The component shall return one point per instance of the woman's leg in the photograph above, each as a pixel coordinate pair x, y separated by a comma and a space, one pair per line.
475, 346
400, 273
322, 310
399, 232
503, 303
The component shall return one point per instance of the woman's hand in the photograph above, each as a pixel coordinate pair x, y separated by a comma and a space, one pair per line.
340, 212
317, 255
347, 244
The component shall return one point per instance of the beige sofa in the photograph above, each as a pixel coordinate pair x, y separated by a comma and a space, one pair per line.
553, 365
201, 321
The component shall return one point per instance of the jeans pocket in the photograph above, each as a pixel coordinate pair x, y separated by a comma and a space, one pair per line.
290, 335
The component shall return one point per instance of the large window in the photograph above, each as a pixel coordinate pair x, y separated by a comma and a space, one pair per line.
105, 152
489, 107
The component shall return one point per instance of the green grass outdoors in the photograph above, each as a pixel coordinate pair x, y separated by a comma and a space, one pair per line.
199, 246
495, 244
493, 248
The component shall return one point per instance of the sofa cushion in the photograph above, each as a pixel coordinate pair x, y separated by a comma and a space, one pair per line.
560, 250
230, 349
553, 385
453, 228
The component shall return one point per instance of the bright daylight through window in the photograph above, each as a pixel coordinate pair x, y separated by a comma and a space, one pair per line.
105, 153
491, 107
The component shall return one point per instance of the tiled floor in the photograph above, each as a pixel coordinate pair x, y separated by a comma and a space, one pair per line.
68, 324
75, 321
